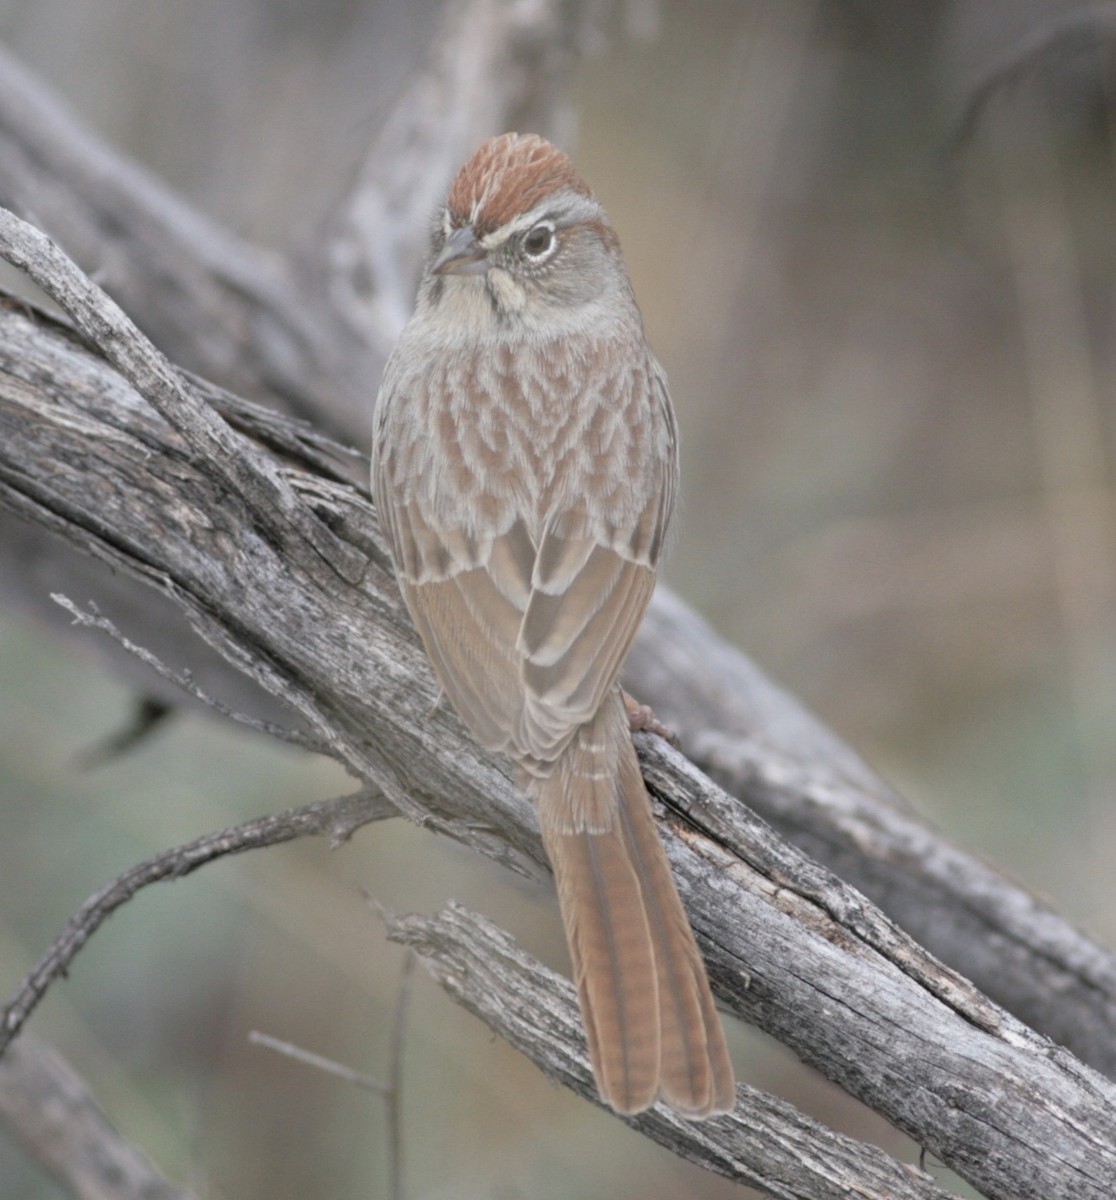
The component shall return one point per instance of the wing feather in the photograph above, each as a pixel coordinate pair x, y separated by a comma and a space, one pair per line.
584, 634
527, 625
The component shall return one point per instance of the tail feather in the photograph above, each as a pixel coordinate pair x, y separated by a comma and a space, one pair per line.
649, 1015
696, 1072
613, 961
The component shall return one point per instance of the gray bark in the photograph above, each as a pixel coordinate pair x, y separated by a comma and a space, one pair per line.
765, 1142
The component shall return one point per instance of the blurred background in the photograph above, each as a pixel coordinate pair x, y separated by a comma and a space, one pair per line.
875, 247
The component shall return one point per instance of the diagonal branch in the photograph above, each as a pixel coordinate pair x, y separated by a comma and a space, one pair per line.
765, 1143
61, 1125
338, 819
170, 393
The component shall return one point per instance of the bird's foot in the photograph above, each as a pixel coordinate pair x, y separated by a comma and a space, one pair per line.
642, 719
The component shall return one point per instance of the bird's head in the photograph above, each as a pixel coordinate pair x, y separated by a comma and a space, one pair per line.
522, 240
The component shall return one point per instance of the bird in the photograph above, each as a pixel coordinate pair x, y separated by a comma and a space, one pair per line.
525, 468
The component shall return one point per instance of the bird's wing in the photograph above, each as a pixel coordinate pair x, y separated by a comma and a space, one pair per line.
527, 633
587, 600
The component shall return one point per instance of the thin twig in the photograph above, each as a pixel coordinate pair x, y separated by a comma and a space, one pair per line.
338, 818
391, 1091
395, 1076
319, 1063
91, 618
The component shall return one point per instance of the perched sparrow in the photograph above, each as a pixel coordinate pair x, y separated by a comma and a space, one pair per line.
524, 468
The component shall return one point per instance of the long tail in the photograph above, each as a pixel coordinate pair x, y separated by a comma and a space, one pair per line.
649, 1015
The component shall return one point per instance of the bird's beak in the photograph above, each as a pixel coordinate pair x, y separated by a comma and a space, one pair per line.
461, 254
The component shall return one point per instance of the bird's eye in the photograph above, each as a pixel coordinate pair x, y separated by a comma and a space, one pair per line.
539, 243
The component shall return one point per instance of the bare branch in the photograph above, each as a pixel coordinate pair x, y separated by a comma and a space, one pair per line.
326, 1065
764, 1142
60, 1125
338, 819
107, 327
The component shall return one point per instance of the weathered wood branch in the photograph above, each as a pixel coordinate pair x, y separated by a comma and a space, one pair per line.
790, 947
176, 268
764, 1143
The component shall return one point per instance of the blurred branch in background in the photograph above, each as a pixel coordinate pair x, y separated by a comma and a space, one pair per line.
307, 331
390, 1088
1068, 424
58, 1122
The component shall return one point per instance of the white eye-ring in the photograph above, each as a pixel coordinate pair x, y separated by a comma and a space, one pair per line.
540, 242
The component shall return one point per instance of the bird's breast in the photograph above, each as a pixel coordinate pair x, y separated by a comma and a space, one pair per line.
485, 434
